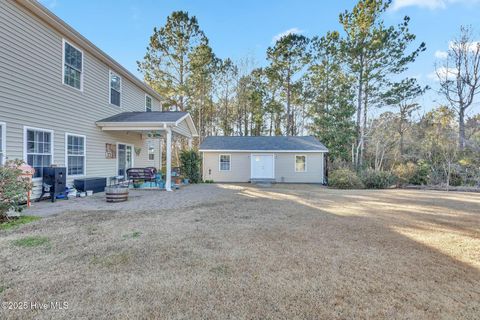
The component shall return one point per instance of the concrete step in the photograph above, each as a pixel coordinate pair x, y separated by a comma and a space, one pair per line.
262, 182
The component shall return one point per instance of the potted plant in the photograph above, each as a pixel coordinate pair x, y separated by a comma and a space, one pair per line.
137, 183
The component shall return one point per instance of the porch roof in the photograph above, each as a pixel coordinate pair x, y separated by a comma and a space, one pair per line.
179, 122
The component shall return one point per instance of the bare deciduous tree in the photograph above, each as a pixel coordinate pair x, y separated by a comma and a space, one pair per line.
459, 76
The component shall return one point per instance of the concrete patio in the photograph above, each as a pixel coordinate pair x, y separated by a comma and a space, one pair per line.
139, 200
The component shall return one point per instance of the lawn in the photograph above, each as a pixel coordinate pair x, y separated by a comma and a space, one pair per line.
254, 253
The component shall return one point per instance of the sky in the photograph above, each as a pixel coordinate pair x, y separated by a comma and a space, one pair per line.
246, 28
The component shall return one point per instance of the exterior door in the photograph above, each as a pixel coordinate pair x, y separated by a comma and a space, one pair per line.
262, 166
124, 158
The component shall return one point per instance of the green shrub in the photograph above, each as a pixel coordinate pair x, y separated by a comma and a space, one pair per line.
405, 172
190, 165
455, 179
421, 175
377, 179
13, 188
344, 179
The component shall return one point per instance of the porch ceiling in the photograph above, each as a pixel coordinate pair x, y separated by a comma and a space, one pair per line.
179, 122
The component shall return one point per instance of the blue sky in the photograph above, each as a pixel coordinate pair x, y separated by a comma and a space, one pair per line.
237, 29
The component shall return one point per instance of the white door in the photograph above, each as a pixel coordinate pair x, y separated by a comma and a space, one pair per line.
262, 166
125, 158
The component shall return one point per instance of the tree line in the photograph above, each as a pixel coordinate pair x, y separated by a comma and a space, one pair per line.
346, 87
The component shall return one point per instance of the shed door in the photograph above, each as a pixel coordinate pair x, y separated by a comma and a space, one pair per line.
262, 166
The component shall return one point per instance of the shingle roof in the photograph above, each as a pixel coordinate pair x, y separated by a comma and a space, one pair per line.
261, 143
154, 116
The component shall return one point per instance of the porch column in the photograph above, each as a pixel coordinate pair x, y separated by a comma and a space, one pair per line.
168, 175
189, 143
160, 153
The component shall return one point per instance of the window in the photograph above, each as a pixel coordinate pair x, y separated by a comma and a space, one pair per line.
38, 149
300, 163
2, 143
224, 162
151, 152
75, 154
148, 103
115, 88
72, 66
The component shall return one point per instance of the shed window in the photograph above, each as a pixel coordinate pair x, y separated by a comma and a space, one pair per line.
72, 66
224, 162
39, 149
75, 155
300, 163
148, 103
2, 143
115, 88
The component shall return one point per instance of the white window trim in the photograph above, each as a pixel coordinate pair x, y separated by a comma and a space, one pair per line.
151, 99
4, 143
63, 65
110, 72
52, 148
67, 134
295, 162
220, 164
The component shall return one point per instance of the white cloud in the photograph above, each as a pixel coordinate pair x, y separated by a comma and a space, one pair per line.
472, 46
286, 33
429, 4
439, 54
443, 72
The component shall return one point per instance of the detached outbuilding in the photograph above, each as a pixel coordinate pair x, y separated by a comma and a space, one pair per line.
278, 159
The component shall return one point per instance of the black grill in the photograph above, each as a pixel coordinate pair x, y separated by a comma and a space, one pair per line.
55, 179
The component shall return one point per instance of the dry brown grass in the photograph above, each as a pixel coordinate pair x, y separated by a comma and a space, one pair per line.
296, 252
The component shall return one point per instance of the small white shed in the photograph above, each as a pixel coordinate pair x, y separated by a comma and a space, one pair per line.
264, 158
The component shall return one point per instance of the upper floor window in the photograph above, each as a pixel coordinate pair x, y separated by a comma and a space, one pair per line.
38, 149
148, 103
300, 163
2, 143
72, 66
115, 88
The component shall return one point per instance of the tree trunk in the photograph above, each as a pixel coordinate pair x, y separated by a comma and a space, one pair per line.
401, 133
401, 146
359, 115
461, 128
364, 126
289, 119
271, 124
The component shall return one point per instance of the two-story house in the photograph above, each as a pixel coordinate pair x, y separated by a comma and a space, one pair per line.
65, 102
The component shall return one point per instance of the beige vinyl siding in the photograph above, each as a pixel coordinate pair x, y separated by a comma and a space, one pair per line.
32, 92
239, 167
284, 167
183, 129
143, 160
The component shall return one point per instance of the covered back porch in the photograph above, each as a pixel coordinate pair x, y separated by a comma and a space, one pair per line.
164, 127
